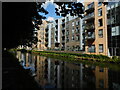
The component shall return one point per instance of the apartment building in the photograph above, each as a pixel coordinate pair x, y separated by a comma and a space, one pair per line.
95, 28
65, 34
50, 35
113, 25
41, 34
73, 34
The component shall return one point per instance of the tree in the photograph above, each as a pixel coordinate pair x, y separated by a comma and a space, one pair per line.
72, 8
17, 20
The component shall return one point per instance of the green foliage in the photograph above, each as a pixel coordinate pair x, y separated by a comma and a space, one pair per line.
78, 56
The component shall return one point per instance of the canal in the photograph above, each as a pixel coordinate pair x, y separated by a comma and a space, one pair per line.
55, 73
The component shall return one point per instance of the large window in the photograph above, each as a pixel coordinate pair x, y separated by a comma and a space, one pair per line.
100, 33
100, 48
91, 49
100, 23
115, 31
100, 12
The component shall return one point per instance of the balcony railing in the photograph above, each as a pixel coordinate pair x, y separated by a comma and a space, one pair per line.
46, 29
89, 27
89, 16
46, 34
46, 39
63, 34
63, 41
90, 36
91, 50
63, 22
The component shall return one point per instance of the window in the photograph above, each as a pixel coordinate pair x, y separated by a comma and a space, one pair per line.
100, 23
100, 12
67, 18
91, 49
100, 33
72, 31
99, 4
72, 37
67, 32
100, 48
77, 22
67, 39
115, 31
77, 30
77, 38
72, 23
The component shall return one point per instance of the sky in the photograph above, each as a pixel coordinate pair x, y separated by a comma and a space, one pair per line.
50, 7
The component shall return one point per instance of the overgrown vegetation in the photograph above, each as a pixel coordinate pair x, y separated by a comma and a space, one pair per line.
78, 56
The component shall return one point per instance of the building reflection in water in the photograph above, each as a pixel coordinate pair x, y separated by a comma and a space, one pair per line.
101, 77
52, 73
60, 74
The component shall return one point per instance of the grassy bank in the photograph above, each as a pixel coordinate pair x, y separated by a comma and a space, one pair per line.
78, 56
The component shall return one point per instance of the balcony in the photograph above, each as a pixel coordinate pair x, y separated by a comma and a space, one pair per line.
63, 22
63, 34
67, 27
57, 44
89, 27
63, 41
63, 29
63, 48
56, 36
91, 50
90, 16
46, 34
46, 39
46, 29
90, 7
90, 36
56, 26
46, 44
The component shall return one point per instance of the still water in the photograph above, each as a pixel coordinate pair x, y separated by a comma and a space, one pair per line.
55, 73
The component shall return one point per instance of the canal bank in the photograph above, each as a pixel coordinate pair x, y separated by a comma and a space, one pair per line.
78, 56
14, 76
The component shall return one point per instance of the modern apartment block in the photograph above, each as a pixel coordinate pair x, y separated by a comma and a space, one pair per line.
73, 34
41, 34
49, 39
95, 26
113, 18
65, 34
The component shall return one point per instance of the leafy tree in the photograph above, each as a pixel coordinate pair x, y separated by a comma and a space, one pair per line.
17, 20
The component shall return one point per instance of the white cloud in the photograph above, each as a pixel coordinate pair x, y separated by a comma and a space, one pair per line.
80, 1
56, 6
44, 5
50, 19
